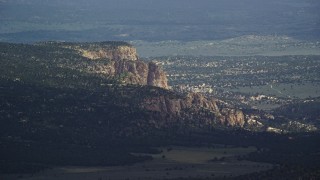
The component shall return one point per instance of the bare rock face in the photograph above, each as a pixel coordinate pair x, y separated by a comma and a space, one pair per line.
206, 110
125, 64
156, 76
200, 101
115, 53
139, 72
232, 117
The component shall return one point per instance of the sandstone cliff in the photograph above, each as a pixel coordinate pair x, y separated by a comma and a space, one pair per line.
232, 117
115, 53
122, 62
194, 107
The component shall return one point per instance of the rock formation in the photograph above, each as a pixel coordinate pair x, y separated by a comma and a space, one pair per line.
205, 109
232, 117
123, 62
115, 53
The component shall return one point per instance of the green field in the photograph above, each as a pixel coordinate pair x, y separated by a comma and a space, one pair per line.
173, 162
201, 155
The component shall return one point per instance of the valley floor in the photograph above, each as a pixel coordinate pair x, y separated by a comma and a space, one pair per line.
172, 163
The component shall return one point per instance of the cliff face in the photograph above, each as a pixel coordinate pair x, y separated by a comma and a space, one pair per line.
156, 76
123, 63
194, 107
232, 117
113, 53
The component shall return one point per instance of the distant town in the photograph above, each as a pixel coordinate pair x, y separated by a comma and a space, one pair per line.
262, 82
